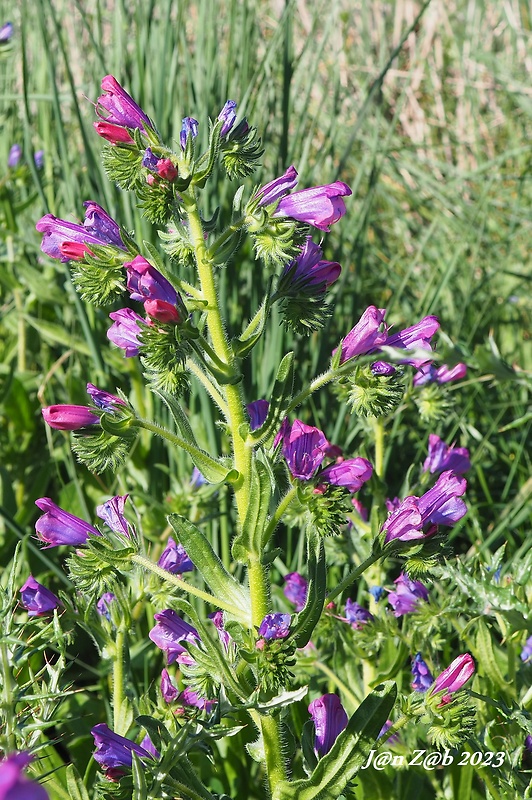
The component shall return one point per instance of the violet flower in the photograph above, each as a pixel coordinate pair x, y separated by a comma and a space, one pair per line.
169, 631
114, 752
227, 116
103, 605
454, 677
168, 690
217, 619
14, 785
197, 480
428, 373
189, 697
320, 206
64, 240
15, 154
444, 457
356, 615
37, 599
174, 558
38, 159
368, 334
6, 32
330, 719
275, 626
394, 738
526, 652
308, 273
189, 128
407, 595
144, 282
112, 513
423, 679
376, 592
303, 449
117, 107
257, 412
351, 473
68, 417
296, 589
125, 331
57, 527
415, 337
104, 400
274, 190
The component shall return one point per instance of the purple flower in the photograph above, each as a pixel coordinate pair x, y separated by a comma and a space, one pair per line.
257, 412
103, 605
38, 159
368, 334
125, 331
351, 473
69, 418
188, 697
189, 128
526, 652
330, 719
227, 116
382, 368
174, 558
14, 785
104, 400
394, 738
57, 527
117, 107
144, 282
309, 273
428, 373
149, 160
197, 479
114, 752
415, 337
274, 190
444, 457
416, 517
275, 626
15, 154
295, 589
64, 240
454, 677
356, 614
320, 206
303, 449
169, 631
407, 595
6, 32
422, 678
112, 513
37, 599
168, 690
217, 618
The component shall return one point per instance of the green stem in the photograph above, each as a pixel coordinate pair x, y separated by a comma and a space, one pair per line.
120, 715
169, 577
223, 237
278, 513
8, 699
353, 575
378, 429
208, 385
317, 383
258, 589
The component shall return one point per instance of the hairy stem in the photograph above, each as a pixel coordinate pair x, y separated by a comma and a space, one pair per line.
351, 576
120, 716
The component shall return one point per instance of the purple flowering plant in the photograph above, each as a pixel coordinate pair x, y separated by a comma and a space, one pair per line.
243, 644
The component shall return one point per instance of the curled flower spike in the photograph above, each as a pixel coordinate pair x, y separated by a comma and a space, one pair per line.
37, 599
57, 527
330, 719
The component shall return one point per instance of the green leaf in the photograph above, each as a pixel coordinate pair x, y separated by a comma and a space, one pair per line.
247, 340
200, 178
140, 789
200, 551
280, 701
75, 786
348, 754
487, 658
308, 618
279, 400
249, 539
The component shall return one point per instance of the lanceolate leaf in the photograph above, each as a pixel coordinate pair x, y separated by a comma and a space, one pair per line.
249, 540
199, 550
310, 614
348, 754
279, 400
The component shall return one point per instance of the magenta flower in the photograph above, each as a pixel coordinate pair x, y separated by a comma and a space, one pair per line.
168, 690
174, 558
117, 107
103, 606
14, 785
356, 615
257, 412
125, 331
274, 190
275, 626
64, 240
368, 334
57, 527
169, 631
423, 680
144, 282
330, 719
295, 589
227, 116
112, 513
114, 134
309, 274
114, 752
351, 473
188, 128
428, 373
37, 599
303, 449
69, 418
407, 595
454, 677
320, 206
444, 457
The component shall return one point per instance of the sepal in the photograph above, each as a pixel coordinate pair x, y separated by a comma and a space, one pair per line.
241, 151
100, 450
371, 395
123, 165
200, 177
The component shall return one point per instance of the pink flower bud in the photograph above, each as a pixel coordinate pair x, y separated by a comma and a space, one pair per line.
69, 418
